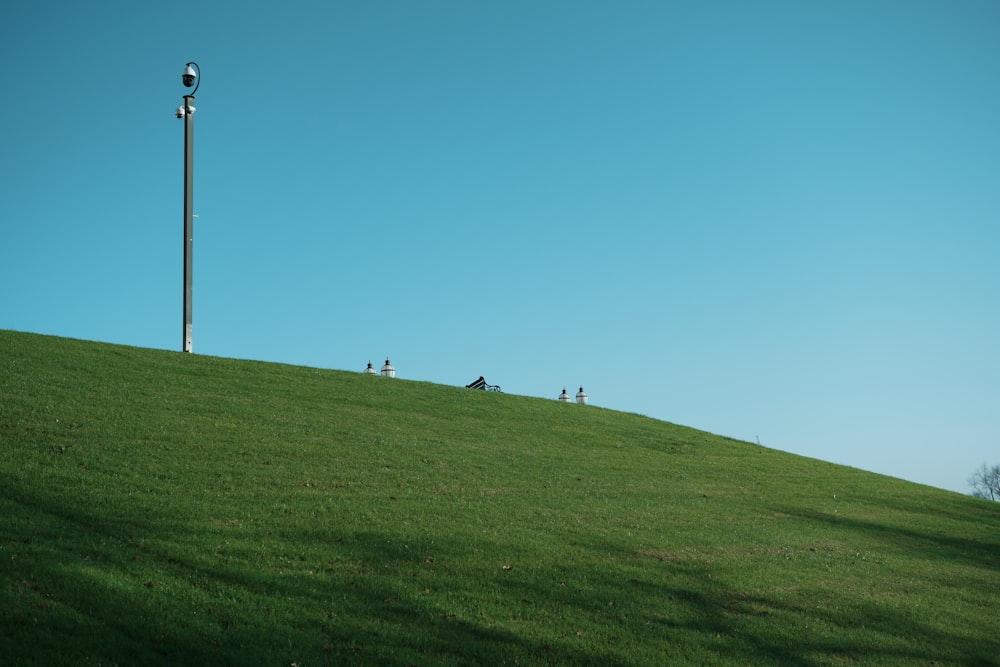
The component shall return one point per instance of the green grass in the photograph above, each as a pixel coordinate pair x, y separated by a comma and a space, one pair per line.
161, 508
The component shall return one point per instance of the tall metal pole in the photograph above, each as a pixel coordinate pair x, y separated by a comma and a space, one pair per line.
188, 218
190, 77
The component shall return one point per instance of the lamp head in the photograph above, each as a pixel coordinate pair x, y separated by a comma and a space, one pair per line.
189, 76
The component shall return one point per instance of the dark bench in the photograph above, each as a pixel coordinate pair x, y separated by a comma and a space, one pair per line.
481, 384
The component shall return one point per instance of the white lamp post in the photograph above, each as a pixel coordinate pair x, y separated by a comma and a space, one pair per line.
370, 370
581, 396
564, 397
190, 77
388, 371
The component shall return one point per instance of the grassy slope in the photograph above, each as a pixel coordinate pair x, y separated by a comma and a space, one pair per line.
162, 508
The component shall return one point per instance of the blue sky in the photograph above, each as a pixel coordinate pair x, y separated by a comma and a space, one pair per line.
771, 220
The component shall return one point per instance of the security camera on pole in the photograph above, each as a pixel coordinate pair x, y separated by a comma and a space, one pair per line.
190, 77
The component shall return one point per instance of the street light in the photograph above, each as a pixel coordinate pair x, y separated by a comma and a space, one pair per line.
190, 77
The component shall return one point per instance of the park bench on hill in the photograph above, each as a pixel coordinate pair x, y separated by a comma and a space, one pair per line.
481, 384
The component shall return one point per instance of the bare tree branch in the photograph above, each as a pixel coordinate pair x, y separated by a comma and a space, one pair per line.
985, 482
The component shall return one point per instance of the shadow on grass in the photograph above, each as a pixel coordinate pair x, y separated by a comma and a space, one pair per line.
981, 550
84, 586
697, 616
88, 585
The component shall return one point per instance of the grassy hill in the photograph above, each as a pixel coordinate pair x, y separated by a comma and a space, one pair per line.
161, 508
